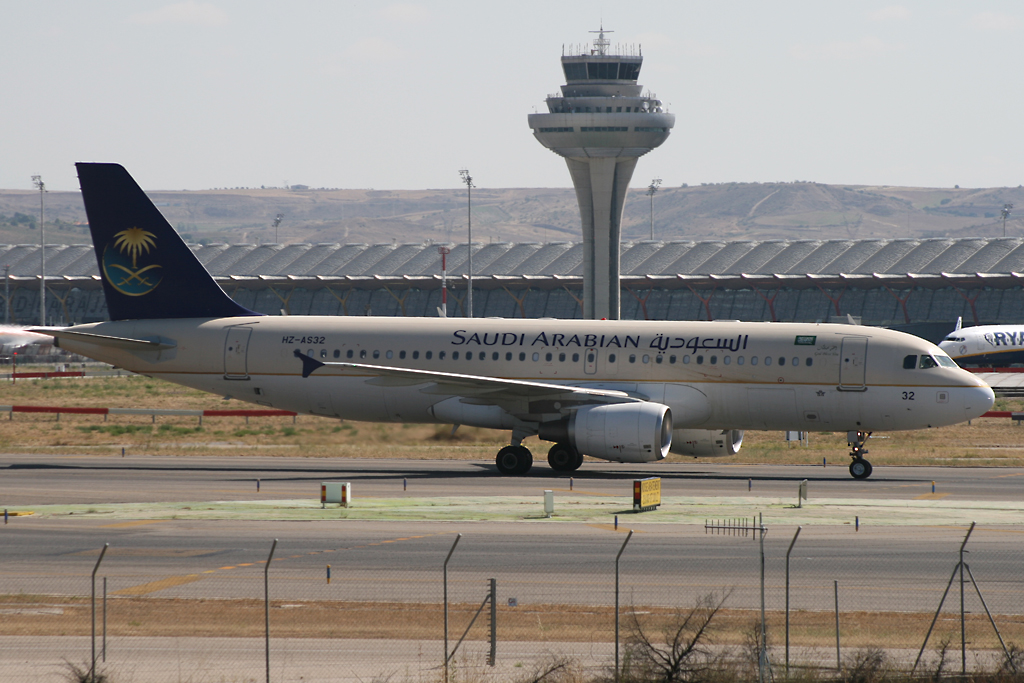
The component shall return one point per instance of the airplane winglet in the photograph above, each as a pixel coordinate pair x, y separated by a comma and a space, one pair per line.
309, 365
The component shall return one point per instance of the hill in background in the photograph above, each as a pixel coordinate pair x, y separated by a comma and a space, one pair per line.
723, 211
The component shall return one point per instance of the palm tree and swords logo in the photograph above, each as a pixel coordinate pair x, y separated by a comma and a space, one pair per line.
121, 262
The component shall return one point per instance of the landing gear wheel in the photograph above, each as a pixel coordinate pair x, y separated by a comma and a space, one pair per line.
563, 458
860, 468
514, 460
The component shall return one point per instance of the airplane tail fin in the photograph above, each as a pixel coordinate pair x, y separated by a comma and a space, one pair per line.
147, 269
959, 323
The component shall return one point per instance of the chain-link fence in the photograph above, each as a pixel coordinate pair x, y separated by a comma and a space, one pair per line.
375, 607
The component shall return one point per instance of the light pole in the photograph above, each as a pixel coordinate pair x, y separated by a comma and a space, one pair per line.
38, 182
468, 180
277, 222
651, 189
7, 295
1005, 214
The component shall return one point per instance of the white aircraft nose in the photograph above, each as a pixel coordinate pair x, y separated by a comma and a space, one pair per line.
977, 401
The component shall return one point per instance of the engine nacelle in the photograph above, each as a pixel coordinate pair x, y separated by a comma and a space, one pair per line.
707, 442
621, 432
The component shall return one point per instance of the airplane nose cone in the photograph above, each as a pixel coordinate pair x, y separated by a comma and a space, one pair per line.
977, 401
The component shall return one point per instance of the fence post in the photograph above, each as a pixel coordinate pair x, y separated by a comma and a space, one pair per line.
266, 605
92, 668
963, 625
629, 536
791, 544
839, 664
494, 624
104, 619
445, 570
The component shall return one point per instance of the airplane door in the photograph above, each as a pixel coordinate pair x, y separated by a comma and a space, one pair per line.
590, 361
236, 350
853, 364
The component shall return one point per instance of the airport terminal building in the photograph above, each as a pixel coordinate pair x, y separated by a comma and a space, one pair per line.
907, 283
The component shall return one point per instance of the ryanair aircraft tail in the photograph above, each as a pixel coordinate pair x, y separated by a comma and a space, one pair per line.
147, 269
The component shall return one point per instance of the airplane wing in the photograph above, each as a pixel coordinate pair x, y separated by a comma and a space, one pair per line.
103, 340
475, 388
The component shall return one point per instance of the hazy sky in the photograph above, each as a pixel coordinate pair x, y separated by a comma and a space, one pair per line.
225, 93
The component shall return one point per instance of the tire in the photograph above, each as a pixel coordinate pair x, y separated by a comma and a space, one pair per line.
514, 460
860, 468
563, 458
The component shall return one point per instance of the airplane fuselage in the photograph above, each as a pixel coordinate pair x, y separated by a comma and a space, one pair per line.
997, 345
712, 375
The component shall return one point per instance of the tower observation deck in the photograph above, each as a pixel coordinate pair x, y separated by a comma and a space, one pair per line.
601, 122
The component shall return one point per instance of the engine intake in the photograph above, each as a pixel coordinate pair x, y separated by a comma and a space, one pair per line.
621, 432
707, 442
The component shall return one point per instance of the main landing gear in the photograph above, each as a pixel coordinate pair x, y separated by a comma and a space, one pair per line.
564, 458
517, 460
514, 460
859, 468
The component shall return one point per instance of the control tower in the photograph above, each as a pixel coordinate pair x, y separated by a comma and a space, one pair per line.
601, 123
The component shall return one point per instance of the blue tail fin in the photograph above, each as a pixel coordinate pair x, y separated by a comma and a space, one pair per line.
147, 269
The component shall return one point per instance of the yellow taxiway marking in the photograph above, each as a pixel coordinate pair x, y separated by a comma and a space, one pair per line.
138, 522
1016, 474
154, 586
611, 527
931, 496
22, 513
247, 564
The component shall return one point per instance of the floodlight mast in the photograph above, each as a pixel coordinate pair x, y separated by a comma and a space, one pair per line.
38, 182
468, 180
1005, 214
277, 222
651, 190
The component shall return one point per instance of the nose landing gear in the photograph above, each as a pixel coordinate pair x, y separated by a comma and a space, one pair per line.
859, 468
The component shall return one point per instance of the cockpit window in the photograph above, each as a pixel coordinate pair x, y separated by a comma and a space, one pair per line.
952, 338
927, 362
909, 362
946, 361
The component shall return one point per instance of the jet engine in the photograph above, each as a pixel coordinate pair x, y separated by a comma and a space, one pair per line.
621, 432
707, 442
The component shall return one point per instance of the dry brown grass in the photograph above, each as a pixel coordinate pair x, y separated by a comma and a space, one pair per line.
987, 441
136, 616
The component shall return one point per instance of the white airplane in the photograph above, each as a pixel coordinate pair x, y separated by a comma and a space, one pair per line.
623, 391
995, 345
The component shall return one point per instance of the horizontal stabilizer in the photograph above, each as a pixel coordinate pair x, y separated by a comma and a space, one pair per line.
104, 340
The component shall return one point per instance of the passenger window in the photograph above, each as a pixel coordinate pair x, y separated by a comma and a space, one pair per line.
522, 355
672, 360
494, 356
809, 362
927, 362
416, 354
909, 362
508, 355
632, 358
536, 356
561, 357
767, 360
389, 355
348, 354
590, 356
727, 360
753, 360
782, 361
376, 353
686, 360
547, 357
428, 356
337, 353
739, 360
311, 353
796, 362
323, 353
440, 355
401, 355
646, 359
575, 358
455, 355
658, 359
714, 360
700, 360
362, 353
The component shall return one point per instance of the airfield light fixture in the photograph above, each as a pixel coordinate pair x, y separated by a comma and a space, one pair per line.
1005, 213
468, 180
651, 190
38, 182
